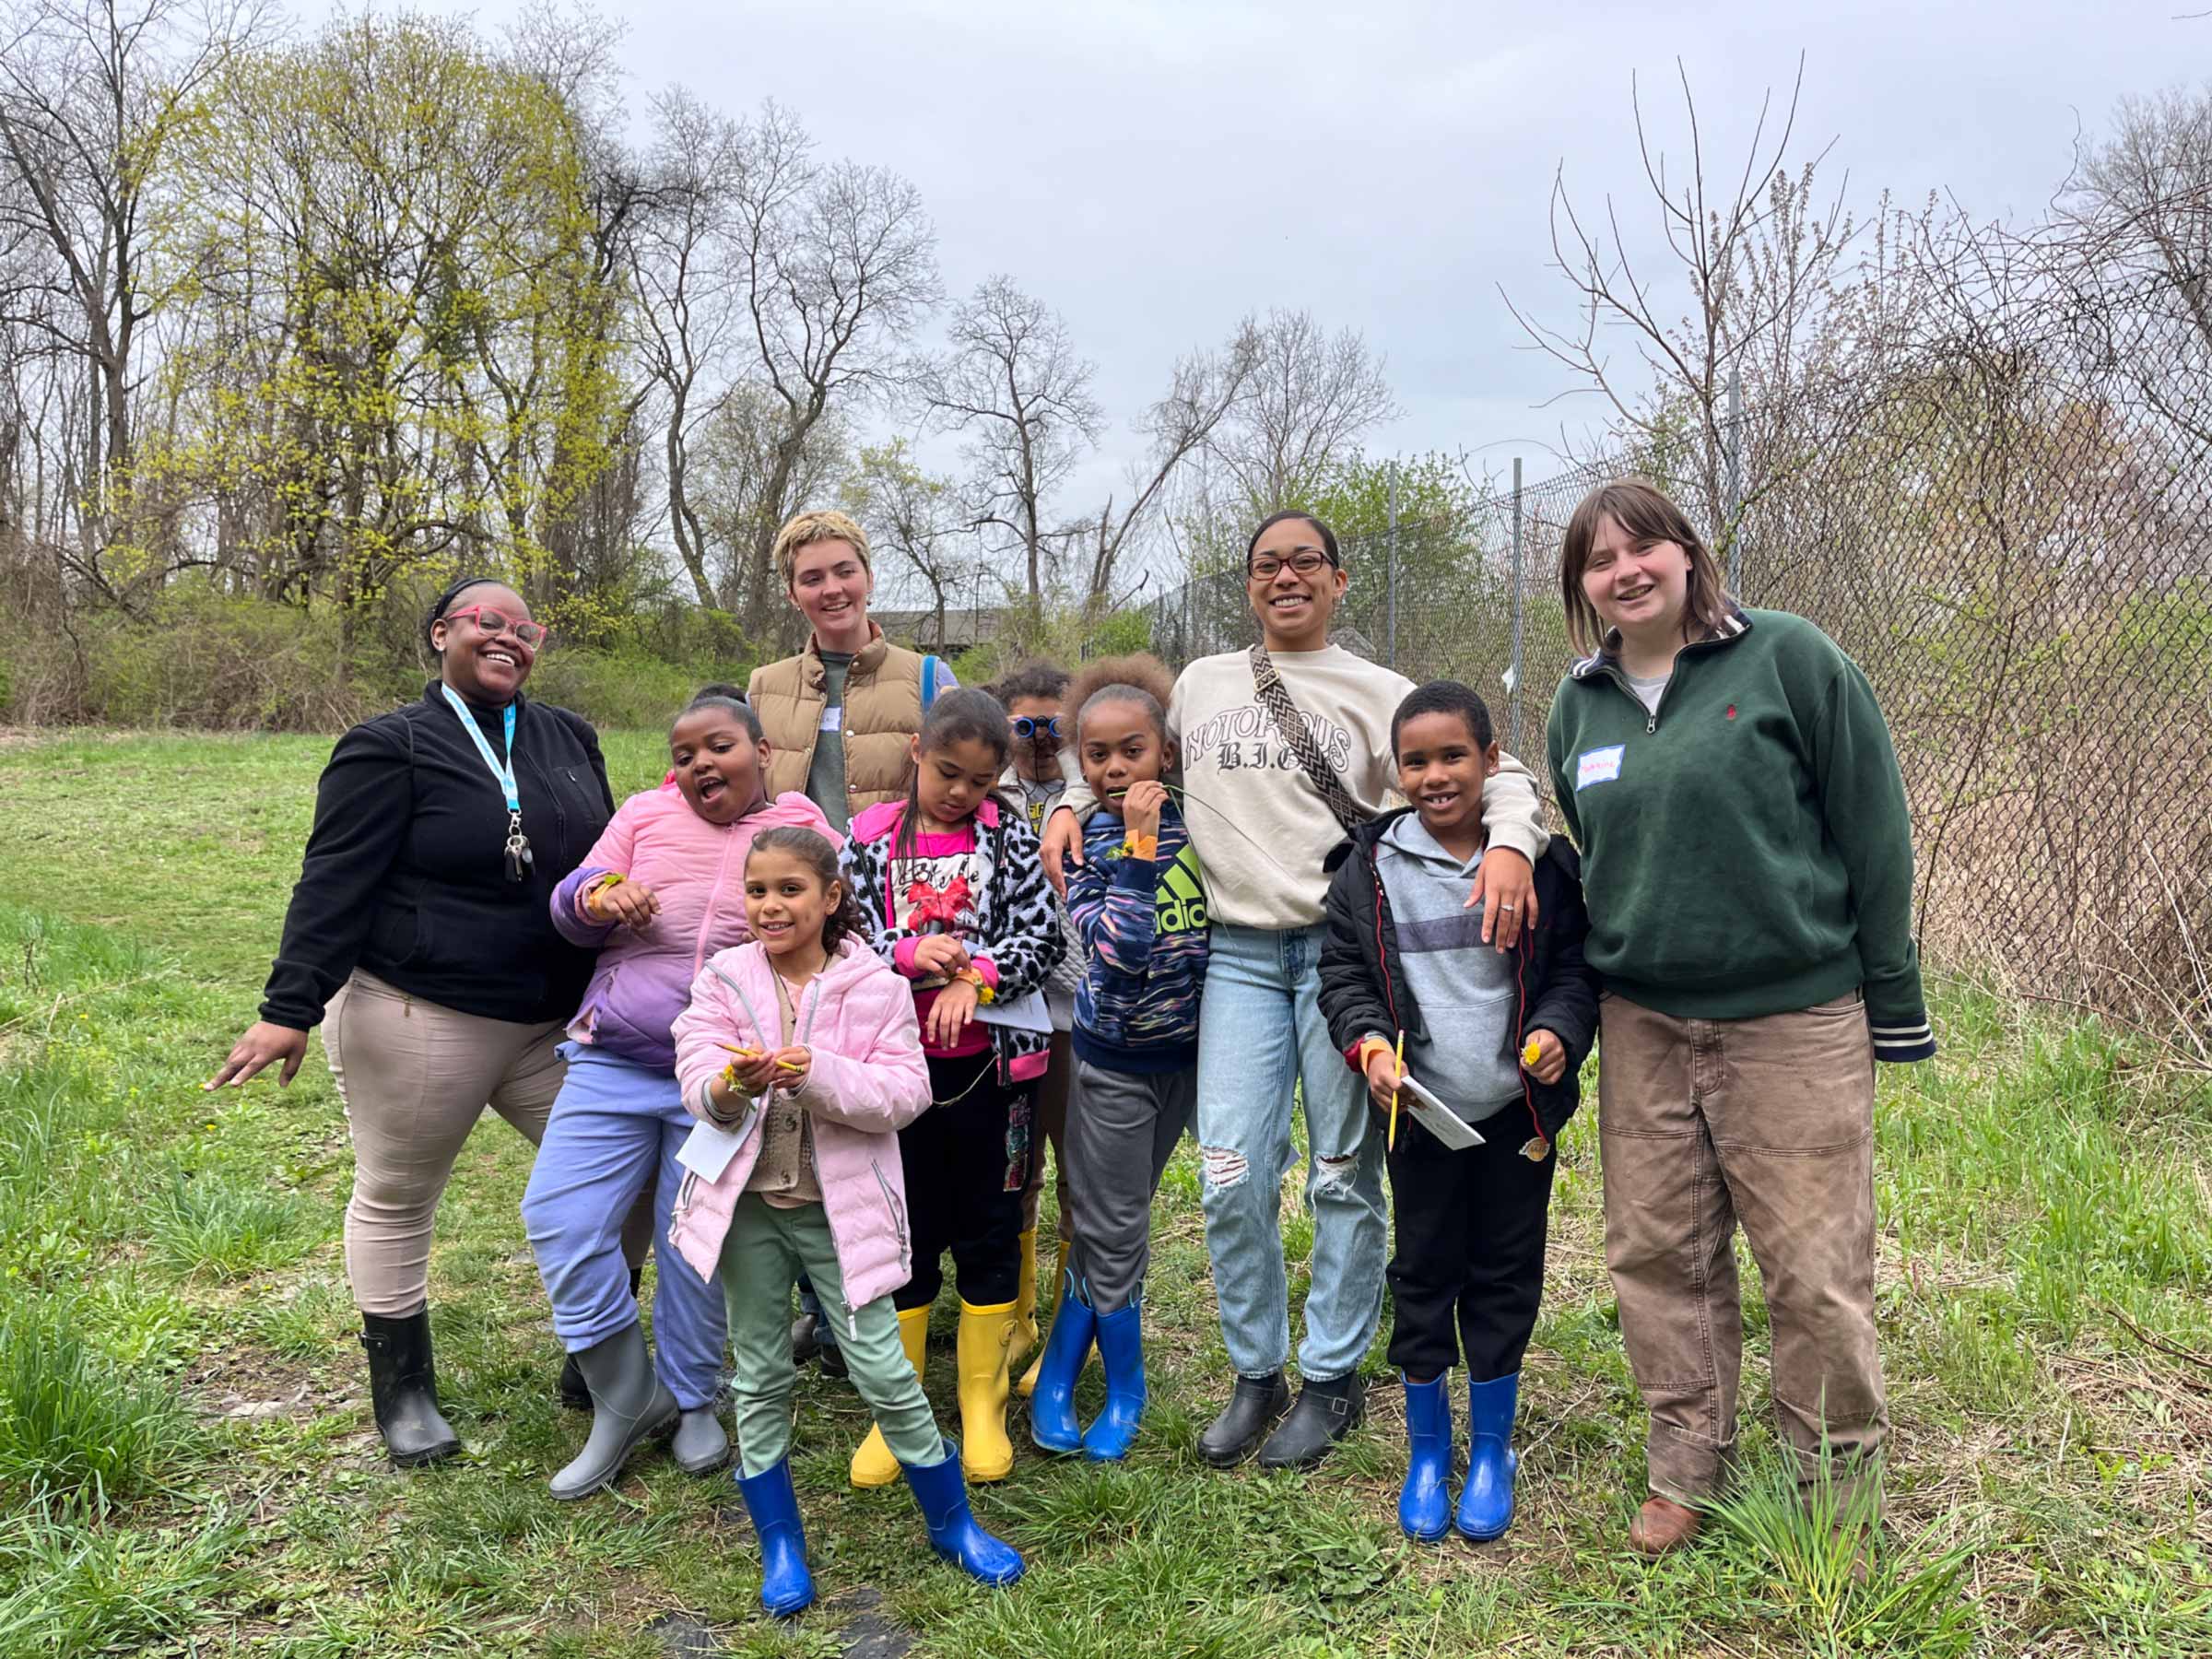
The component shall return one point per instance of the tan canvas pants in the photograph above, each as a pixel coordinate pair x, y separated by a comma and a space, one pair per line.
1769, 1122
415, 1078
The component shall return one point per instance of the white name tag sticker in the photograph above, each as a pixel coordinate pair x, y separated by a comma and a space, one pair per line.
833, 719
1597, 766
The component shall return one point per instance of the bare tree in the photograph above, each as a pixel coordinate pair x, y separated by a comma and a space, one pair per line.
739, 457
835, 264
1310, 397
1012, 384
2134, 239
1208, 389
91, 95
916, 522
689, 319
1761, 261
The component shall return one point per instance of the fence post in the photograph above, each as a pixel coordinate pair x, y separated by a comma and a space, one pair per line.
1392, 648
1736, 479
1513, 692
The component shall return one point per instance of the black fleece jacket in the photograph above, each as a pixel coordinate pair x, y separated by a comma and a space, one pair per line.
1363, 987
404, 875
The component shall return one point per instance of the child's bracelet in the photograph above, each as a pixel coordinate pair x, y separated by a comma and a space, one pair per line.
1371, 1042
974, 976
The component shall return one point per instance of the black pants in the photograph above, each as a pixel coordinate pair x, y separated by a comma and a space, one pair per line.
956, 1159
1469, 1267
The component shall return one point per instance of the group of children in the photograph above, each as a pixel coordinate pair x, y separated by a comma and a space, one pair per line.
855, 1067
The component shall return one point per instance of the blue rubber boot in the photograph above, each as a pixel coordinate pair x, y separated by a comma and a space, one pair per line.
1486, 1507
1425, 1503
1122, 1352
941, 1494
786, 1586
1052, 1406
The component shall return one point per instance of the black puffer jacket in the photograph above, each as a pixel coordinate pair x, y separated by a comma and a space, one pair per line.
404, 875
1363, 988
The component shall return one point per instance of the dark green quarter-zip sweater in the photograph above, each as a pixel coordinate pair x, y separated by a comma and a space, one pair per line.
1746, 849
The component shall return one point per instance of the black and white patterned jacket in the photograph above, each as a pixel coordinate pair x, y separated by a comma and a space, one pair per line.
1014, 925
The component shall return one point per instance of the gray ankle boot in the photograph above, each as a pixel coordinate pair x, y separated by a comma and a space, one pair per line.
701, 1447
628, 1405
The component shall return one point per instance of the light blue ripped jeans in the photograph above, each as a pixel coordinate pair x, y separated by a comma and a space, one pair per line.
1260, 1028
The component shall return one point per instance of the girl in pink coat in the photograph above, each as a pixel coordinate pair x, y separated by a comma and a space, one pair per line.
661, 892
801, 1056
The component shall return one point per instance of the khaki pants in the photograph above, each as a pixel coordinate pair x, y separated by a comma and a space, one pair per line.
415, 1077
1770, 1121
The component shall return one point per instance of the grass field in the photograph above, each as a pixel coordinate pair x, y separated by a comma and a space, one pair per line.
187, 1463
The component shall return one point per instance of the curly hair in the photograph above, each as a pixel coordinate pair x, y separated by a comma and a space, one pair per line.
1141, 677
806, 528
811, 848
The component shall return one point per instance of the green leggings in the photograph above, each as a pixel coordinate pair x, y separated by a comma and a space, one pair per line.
765, 1252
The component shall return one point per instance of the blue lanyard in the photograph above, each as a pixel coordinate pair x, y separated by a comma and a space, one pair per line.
503, 773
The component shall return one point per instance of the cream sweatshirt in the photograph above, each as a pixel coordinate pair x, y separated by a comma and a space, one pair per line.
1260, 830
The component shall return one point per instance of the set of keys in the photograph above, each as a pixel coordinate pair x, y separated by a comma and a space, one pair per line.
518, 849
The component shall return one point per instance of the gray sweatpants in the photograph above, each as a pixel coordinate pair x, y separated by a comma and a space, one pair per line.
1121, 1133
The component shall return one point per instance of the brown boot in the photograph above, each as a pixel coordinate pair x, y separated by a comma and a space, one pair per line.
1662, 1524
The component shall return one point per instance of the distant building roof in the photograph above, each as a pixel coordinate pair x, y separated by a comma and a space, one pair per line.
963, 627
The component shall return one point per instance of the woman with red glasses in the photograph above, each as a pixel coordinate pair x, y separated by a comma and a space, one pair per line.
420, 937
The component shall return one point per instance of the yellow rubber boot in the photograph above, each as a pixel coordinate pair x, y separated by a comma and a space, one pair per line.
1025, 1312
872, 1465
985, 1451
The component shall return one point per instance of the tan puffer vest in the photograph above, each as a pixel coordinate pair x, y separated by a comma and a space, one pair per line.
883, 711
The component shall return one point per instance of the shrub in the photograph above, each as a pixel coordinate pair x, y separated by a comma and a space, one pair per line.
206, 658
65, 1590
622, 688
205, 1225
78, 1432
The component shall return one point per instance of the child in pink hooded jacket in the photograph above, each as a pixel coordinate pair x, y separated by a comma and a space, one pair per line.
661, 890
801, 1055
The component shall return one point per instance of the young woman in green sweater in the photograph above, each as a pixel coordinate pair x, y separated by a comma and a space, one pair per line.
1748, 862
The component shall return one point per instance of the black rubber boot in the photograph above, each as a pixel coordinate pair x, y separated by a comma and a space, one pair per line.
1251, 1410
403, 1384
573, 1394
1325, 1414
804, 1343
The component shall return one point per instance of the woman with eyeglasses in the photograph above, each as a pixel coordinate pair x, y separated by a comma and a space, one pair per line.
420, 938
1285, 747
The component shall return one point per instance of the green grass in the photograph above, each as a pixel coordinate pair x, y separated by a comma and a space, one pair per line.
187, 1463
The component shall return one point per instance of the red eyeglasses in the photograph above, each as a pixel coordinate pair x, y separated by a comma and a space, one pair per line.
528, 634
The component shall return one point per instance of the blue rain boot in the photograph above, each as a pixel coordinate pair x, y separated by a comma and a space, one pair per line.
1052, 1406
943, 1495
1486, 1507
786, 1586
1122, 1352
1424, 1503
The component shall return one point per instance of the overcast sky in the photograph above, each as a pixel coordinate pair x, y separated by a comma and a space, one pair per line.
1157, 169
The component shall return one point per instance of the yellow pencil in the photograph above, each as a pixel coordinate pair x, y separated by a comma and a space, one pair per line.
751, 1054
1391, 1142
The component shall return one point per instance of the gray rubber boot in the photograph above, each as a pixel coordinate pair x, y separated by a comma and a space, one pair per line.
701, 1447
630, 1404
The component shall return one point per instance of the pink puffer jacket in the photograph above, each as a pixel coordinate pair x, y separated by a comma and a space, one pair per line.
697, 871
868, 1080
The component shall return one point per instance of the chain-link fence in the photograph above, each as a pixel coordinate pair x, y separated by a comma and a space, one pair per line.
2023, 571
